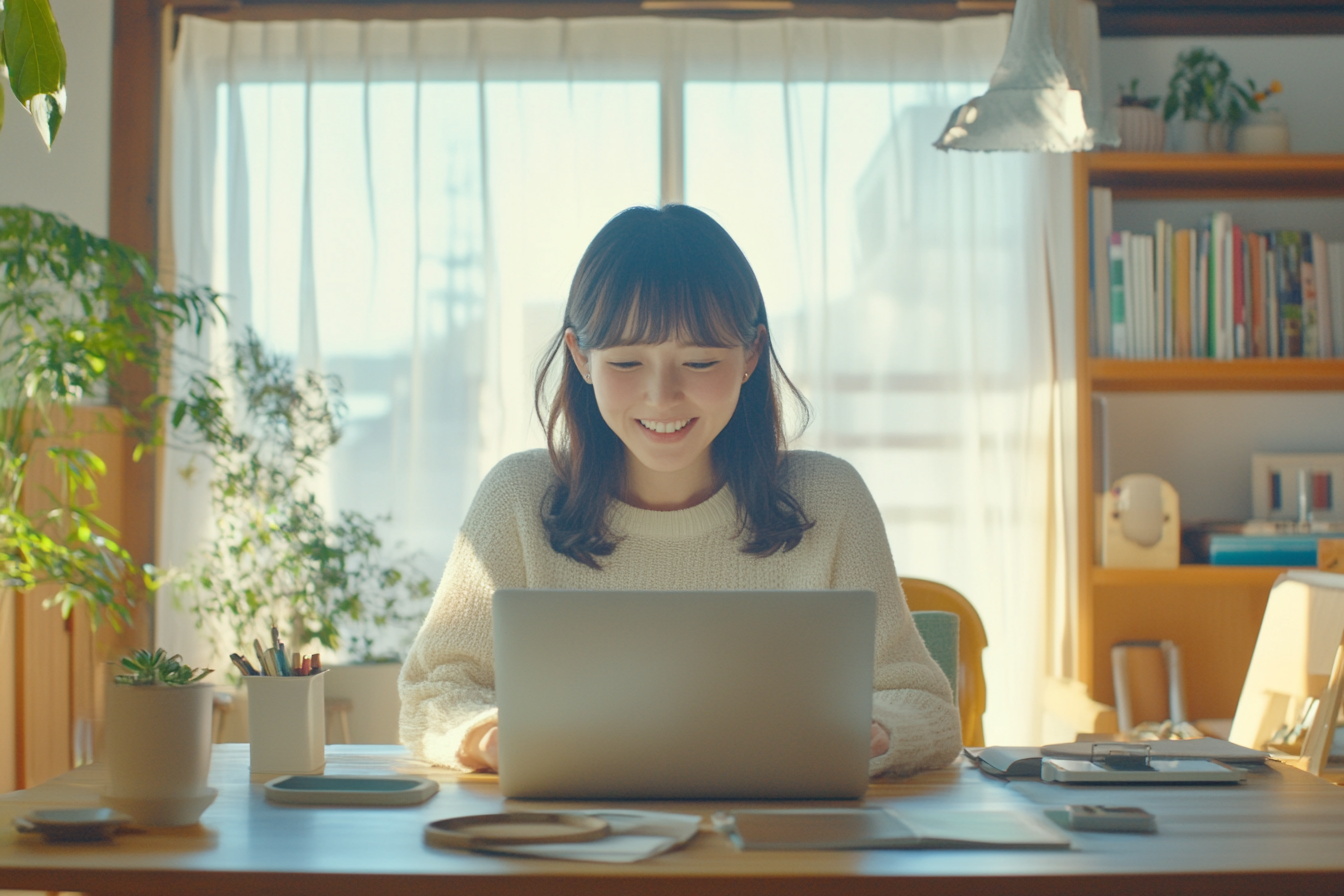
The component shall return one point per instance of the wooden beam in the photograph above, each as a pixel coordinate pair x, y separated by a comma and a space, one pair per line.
132, 220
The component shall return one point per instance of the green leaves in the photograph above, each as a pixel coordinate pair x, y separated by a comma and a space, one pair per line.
35, 58
1202, 89
73, 306
158, 668
277, 556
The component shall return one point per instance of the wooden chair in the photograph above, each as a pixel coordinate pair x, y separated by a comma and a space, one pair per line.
922, 594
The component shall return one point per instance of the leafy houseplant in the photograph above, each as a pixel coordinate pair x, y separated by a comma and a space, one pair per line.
76, 310
158, 740
277, 558
1202, 90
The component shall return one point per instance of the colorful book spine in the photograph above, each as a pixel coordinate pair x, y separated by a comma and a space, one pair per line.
1290, 293
1335, 251
1273, 321
1255, 257
1180, 294
1119, 344
1325, 336
1238, 283
1099, 202
1310, 319
1263, 550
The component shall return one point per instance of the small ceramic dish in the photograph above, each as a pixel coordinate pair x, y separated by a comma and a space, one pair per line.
72, 825
514, 828
351, 790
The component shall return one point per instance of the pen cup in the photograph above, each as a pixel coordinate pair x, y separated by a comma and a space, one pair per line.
287, 724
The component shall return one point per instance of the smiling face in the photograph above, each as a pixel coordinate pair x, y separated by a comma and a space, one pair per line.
667, 402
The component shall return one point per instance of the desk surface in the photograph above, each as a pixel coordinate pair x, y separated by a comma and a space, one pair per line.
1281, 832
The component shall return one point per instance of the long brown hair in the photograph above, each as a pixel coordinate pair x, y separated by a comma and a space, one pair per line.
649, 276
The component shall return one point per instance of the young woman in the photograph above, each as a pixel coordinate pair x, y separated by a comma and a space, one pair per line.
666, 470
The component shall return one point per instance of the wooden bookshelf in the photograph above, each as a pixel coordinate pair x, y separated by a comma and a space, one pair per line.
1207, 375
1213, 612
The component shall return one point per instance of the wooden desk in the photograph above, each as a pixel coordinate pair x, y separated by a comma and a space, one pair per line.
1281, 833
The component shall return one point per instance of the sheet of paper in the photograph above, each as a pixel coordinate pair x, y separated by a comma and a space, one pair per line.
634, 836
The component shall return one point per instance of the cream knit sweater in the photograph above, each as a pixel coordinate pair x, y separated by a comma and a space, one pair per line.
447, 683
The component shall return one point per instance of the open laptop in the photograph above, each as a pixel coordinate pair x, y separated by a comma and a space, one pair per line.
684, 694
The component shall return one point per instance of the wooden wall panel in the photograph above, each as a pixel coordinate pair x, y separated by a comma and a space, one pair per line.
58, 663
8, 681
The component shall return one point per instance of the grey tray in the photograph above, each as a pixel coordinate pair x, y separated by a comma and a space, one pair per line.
350, 790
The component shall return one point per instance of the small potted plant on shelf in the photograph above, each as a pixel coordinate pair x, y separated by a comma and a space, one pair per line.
1265, 131
1141, 128
278, 558
159, 714
1203, 102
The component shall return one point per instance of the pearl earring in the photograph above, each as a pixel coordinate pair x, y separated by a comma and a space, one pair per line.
745, 377
588, 377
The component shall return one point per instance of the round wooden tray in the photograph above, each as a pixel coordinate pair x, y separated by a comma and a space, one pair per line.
513, 829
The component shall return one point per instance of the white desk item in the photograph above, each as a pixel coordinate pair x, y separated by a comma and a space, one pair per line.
350, 790
72, 825
696, 695
630, 836
1158, 771
287, 724
871, 828
1141, 523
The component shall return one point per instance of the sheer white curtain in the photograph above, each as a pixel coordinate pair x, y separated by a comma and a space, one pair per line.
403, 204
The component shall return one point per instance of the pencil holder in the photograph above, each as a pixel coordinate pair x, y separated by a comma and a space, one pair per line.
287, 724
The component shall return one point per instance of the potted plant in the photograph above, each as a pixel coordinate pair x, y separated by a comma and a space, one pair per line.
1141, 128
1265, 131
76, 311
158, 740
278, 558
1208, 101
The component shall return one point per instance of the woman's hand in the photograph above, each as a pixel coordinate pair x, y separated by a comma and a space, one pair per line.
480, 749
881, 741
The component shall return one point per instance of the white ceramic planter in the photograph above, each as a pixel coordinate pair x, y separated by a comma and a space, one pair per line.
1193, 135
1262, 132
158, 751
375, 706
1141, 129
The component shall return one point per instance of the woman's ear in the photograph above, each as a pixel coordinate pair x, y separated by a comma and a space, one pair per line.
580, 359
754, 351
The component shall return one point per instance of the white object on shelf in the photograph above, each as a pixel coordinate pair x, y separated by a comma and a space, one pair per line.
1141, 523
1262, 132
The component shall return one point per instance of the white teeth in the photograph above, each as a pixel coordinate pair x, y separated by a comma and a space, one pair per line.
664, 427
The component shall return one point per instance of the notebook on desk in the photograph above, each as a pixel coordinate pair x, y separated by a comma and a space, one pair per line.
684, 695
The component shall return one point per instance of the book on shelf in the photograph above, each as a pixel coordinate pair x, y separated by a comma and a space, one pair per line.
1260, 542
1216, 290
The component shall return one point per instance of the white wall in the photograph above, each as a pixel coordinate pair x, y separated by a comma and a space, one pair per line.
73, 177
1202, 442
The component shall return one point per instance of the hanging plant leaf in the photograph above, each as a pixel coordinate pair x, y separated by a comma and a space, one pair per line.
35, 59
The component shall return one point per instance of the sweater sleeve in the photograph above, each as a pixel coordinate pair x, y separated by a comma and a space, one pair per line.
911, 696
447, 685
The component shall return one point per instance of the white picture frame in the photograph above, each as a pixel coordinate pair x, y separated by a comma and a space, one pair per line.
1320, 469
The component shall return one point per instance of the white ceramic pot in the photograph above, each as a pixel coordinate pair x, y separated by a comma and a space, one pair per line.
1262, 132
1194, 135
158, 751
1141, 129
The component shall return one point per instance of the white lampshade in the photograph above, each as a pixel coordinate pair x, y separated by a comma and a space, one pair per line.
1045, 95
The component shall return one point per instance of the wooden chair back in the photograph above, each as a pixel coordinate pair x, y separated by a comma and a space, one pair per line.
923, 594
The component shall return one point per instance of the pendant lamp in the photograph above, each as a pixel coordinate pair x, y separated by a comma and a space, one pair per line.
1045, 95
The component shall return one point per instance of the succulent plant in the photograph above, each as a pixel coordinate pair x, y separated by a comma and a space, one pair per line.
158, 667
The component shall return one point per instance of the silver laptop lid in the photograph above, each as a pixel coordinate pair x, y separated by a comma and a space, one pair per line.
690, 694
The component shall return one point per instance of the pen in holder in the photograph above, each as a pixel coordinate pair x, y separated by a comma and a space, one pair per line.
287, 724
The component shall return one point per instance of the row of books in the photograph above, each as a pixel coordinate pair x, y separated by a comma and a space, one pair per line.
1213, 291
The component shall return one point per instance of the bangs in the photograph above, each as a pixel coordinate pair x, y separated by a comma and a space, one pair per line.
647, 301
